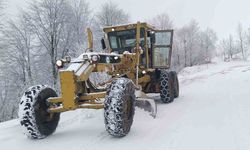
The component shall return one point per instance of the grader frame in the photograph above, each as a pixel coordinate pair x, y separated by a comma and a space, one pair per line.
137, 58
74, 92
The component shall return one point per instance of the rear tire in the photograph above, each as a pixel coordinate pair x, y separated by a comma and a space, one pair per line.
176, 83
119, 107
35, 120
166, 87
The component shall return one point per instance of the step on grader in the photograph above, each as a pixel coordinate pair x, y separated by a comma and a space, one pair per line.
136, 56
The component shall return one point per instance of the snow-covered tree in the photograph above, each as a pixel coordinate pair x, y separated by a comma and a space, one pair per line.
188, 38
19, 40
242, 40
1, 14
110, 14
162, 21
208, 40
47, 31
48, 20
80, 20
193, 46
16, 64
228, 48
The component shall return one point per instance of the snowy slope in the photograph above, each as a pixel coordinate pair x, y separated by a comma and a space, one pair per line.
212, 113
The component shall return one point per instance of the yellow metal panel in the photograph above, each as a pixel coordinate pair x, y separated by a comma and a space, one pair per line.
68, 87
92, 106
138, 53
56, 110
103, 67
138, 35
55, 99
83, 106
144, 79
90, 39
92, 96
85, 73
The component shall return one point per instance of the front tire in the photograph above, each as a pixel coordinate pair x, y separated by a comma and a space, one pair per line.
119, 107
35, 120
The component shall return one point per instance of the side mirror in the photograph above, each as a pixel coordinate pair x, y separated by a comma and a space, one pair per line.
103, 44
152, 37
149, 33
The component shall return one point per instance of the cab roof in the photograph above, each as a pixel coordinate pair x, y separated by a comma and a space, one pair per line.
127, 27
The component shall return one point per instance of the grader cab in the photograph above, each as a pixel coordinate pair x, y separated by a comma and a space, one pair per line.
137, 58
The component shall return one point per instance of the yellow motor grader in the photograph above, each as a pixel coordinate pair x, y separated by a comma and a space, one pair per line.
136, 56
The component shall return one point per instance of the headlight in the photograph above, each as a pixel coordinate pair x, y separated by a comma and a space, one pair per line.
144, 72
94, 58
59, 63
108, 59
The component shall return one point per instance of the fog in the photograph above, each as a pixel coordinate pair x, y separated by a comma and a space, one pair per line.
221, 15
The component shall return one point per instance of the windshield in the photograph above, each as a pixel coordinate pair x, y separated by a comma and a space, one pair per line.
121, 41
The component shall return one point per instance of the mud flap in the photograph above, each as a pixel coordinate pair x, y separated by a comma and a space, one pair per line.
146, 103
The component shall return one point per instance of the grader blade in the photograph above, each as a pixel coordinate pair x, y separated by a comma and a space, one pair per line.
146, 103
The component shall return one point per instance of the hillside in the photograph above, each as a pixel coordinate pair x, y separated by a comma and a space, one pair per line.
212, 112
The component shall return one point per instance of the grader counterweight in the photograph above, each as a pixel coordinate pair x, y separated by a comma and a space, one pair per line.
137, 57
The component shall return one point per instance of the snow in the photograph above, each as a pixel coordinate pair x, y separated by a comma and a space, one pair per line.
212, 112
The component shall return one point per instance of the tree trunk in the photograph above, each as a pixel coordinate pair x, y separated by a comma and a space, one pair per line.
242, 49
29, 67
53, 62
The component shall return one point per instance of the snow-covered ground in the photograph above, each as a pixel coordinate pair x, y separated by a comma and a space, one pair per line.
212, 113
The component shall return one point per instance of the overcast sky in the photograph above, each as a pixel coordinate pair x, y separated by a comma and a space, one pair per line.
221, 15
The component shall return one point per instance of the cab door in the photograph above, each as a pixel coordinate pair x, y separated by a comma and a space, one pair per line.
162, 49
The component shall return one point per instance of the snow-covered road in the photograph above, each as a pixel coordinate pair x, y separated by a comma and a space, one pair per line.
212, 113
